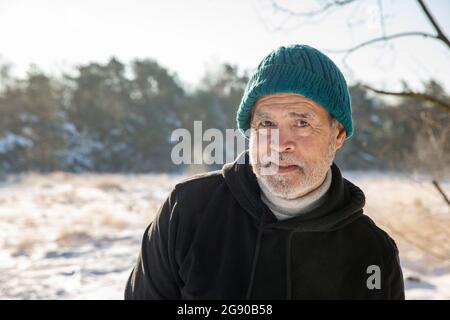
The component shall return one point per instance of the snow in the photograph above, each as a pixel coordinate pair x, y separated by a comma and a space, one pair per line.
10, 141
76, 236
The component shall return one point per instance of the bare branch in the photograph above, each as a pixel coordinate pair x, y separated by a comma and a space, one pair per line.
384, 38
325, 8
440, 34
417, 95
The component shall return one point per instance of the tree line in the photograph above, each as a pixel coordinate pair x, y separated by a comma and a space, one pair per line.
116, 117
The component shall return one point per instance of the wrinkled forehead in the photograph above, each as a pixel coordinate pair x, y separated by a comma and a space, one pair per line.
288, 102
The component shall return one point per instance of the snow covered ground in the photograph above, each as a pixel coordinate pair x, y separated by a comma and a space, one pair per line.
66, 236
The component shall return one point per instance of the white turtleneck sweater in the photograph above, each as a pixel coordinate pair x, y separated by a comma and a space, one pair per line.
285, 209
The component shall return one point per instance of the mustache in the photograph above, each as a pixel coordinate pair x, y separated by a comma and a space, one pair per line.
287, 159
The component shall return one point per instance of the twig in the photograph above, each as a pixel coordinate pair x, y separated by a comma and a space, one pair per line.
440, 34
421, 96
438, 187
325, 8
384, 38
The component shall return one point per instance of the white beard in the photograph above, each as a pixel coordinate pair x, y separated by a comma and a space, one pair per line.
295, 184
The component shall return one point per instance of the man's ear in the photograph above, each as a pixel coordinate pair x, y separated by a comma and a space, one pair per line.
340, 138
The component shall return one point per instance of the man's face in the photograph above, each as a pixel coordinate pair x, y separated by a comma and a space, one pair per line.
307, 143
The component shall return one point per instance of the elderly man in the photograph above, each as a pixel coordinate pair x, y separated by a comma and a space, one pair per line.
280, 222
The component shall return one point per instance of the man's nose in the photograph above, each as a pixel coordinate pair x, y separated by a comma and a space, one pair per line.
284, 142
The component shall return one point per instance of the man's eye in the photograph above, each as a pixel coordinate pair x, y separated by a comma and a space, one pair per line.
301, 124
266, 124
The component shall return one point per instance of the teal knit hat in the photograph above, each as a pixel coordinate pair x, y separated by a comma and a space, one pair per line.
303, 70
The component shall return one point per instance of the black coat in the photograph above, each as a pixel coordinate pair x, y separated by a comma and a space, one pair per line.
213, 238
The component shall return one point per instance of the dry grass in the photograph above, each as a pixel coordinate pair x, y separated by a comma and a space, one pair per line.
70, 237
25, 246
30, 223
109, 185
415, 224
112, 220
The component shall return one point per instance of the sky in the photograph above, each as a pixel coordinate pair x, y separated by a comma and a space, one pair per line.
190, 37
